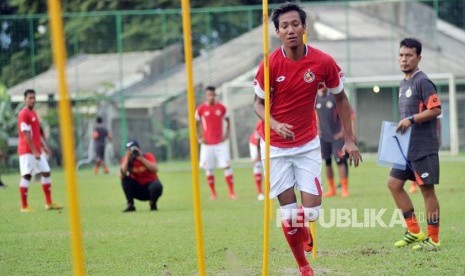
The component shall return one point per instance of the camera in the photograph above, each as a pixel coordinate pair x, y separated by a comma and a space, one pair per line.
134, 152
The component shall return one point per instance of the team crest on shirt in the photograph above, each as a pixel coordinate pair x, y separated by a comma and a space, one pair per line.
318, 106
33, 119
309, 76
329, 105
207, 113
218, 112
408, 93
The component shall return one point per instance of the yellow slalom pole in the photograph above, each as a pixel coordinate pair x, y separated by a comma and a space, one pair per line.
186, 26
66, 132
266, 221
312, 224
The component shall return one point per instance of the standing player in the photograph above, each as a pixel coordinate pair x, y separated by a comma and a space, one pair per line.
331, 136
296, 69
31, 160
214, 148
100, 135
254, 149
419, 106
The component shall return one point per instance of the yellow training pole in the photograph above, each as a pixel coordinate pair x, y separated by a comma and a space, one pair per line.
66, 132
266, 221
312, 224
186, 26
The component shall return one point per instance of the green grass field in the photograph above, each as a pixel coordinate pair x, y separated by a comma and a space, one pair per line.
163, 242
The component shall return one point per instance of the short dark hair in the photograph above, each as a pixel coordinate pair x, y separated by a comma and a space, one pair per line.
411, 43
210, 87
99, 120
29, 91
287, 7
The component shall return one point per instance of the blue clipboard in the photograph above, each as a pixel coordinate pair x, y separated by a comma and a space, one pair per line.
393, 146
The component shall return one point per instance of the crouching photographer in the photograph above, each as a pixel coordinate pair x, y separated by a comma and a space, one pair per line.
139, 177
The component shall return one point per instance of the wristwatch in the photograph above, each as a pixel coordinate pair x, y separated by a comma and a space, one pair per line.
410, 118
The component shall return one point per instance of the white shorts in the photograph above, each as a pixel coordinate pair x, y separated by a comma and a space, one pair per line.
29, 165
211, 153
253, 149
298, 167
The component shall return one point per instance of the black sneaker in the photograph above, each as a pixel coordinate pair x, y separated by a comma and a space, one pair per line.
153, 206
2, 185
130, 208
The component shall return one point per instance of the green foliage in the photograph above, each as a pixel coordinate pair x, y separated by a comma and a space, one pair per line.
163, 242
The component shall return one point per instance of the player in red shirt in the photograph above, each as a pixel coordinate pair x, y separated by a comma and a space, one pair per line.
139, 177
214, 147
31, 159
254, 149
296, 69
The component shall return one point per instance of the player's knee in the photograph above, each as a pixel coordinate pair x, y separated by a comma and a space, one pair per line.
228, 171
27, 177
289, 211
311, 213
328, 161
208, 172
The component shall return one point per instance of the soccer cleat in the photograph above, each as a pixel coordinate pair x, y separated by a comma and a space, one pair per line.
260, 197
427, 244
232, 196
307, 239
130, 208
27, 210
409, 238
53, 206
213, 197
306, 271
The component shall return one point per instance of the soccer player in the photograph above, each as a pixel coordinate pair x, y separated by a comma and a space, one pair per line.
31, 159
214, 147
419, 106
100, 135
254, 149
296, 69
331, 136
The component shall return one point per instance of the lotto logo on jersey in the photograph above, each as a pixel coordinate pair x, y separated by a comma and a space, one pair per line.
309, 76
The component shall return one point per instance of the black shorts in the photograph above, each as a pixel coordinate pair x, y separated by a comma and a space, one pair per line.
426, 170
99, 152
334, 148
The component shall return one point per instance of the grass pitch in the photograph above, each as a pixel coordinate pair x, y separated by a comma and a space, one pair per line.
163, 242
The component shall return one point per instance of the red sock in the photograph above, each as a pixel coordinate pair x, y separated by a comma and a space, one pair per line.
294, 239
211, 183
230, 182
258, 182
433, 232
412, 224
47, 192
23, 193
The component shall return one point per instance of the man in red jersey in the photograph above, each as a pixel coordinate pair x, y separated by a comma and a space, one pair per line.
213, 139
139, 177
31, 159
296, 69
254, 150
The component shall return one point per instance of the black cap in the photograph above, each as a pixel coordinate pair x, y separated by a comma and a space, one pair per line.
132, 143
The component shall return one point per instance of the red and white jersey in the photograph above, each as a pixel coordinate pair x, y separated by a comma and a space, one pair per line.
211, 118
294, 86
28, 121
